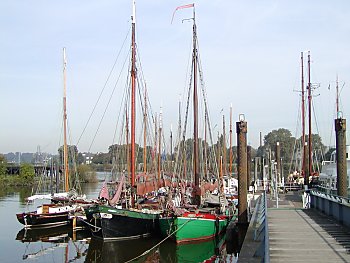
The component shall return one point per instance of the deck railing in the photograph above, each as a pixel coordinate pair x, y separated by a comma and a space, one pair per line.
255, 247
332, 205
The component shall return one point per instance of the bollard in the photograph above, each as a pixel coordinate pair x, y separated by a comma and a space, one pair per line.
340, 133
241, 129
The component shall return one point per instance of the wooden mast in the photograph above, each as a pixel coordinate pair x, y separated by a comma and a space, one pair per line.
171, 146
303, 118
197, 196
154, 160
133, 100
310, 135
127, 141
65, 147
224, 159
159, 146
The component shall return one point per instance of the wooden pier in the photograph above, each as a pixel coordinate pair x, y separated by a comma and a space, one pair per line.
304, 235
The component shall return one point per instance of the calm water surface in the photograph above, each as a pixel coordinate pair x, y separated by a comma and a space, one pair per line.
61, 245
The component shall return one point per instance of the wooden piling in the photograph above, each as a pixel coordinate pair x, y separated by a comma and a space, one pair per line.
340, 133
241, 129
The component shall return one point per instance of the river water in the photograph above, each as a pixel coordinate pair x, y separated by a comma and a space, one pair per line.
62, 245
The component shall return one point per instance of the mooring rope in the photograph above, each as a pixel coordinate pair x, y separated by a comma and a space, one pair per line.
95, 227
156, 245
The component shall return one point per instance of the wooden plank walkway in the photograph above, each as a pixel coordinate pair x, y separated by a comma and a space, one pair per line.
305, 235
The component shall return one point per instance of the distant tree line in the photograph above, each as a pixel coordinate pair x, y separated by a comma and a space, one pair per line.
117, 155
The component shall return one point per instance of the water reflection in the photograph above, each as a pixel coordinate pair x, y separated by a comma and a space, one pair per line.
146, 250
52, 234
61, 244
9, 191
54, 244
120, 251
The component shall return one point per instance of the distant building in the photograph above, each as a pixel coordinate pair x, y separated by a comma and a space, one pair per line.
87, 158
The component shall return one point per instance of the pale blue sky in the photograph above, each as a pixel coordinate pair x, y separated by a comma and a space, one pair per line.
250, 52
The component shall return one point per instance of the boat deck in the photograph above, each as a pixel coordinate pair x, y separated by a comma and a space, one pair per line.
304, 235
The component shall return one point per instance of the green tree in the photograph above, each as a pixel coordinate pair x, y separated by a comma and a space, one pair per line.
328, 154
27, 172
3, 163
101, 158
286, 140
86, 173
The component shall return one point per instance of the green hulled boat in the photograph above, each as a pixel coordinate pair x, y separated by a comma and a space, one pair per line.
108, 222
197, 224
193, 226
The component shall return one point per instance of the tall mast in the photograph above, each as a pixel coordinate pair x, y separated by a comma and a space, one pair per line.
171, 144
155, 143
224, 160
195, 116
160, 145
65, 147
127, 141
230, 168
310, 135
133, 95
144, 135
303, 118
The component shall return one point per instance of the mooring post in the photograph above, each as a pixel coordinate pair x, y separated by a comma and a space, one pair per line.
263, 175
278, 159
278, 170
256, 163
241, 129
340, 133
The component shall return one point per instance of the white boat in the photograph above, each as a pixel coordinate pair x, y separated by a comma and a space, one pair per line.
328, 176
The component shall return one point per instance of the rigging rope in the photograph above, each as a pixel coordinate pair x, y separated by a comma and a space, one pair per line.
104, 86
295, 142
110, 98
318, 132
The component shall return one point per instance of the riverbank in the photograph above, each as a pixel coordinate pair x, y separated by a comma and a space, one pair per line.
16, 180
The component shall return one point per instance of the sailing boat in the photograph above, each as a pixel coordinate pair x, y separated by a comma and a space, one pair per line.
111, 222
197, 223
53, 215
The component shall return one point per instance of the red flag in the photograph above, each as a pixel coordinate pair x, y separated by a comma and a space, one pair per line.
118, 192
104, 192
181, 7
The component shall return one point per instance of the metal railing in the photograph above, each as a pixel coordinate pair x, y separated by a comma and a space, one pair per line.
256, 242
335, 206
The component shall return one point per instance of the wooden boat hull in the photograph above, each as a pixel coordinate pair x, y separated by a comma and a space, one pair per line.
33, 220
110, 223
193, 227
